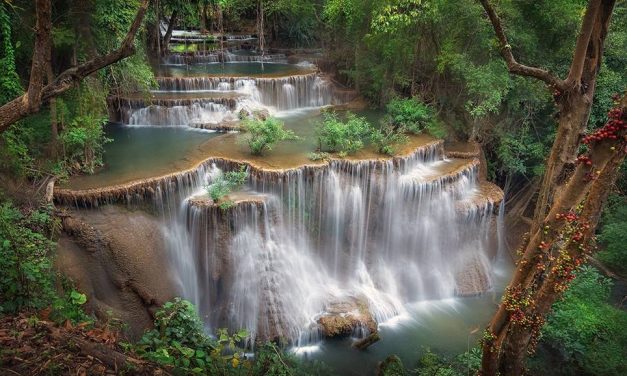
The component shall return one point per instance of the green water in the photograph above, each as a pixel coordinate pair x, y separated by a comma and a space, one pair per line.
255, 69
449, 327
142, 152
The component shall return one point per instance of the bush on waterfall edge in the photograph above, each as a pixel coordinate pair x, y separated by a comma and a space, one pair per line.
262, 135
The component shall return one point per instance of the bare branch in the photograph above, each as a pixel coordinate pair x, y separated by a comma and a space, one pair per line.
506, 51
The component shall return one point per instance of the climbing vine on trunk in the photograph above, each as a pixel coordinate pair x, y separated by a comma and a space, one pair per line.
571, 195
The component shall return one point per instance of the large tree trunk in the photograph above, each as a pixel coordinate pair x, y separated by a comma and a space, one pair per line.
37, 93
168, 33
538, 281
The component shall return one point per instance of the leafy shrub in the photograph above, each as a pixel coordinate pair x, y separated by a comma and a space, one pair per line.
69, 307
262, 135
431, 363
589, 332
83, 142
612, 234
27, 278
178, 340
410, 114
344, 137
386, 138
224, 184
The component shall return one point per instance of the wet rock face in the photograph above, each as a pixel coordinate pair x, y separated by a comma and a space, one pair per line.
472, 280
118, 258
345, 317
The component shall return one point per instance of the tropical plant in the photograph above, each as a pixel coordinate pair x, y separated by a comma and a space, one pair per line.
612, 234
224, 184
27, 278
588, 332
178, 340
344, 137
262, 135
386, 138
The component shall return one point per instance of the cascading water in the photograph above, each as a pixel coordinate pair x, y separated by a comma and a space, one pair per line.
281, 93
383, 232
203, 112
231, 95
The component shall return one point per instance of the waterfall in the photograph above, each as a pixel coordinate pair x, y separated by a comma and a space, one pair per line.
281, 93
205, 112
385, 232
218, 57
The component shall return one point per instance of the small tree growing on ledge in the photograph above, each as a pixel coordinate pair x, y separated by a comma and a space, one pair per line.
226, 183
264, 134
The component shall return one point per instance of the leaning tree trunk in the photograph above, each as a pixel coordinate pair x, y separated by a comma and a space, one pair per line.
558, 228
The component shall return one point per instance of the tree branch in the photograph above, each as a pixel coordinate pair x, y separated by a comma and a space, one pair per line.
506, 51
20, 107
583, 39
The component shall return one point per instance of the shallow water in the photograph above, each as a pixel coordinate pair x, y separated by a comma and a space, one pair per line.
141, 152
448, 326
238, 69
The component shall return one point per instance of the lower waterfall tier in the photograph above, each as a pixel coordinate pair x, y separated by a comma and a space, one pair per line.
298, 244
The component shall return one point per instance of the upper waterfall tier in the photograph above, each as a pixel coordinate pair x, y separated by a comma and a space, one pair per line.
281, 93
226, 151
236, 69
218, 57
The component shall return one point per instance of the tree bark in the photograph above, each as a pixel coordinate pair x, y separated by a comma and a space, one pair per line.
168, 33
565, 185
30, 102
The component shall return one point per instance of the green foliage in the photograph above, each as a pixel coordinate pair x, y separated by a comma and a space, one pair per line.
432, 364
262, 135
413, 115
612, 234
9, 81
344, 137
69, 307
224, 184
27, 277
178, 341
392, 366
83, 142
386, 138
272, 361
521, 153
589, 332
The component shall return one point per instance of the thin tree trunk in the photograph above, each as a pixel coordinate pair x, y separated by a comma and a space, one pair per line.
157, 10
168, 33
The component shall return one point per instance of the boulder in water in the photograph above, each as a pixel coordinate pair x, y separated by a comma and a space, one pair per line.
343, 317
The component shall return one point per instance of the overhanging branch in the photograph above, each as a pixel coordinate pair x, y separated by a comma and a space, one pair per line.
506, 51
22, 106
